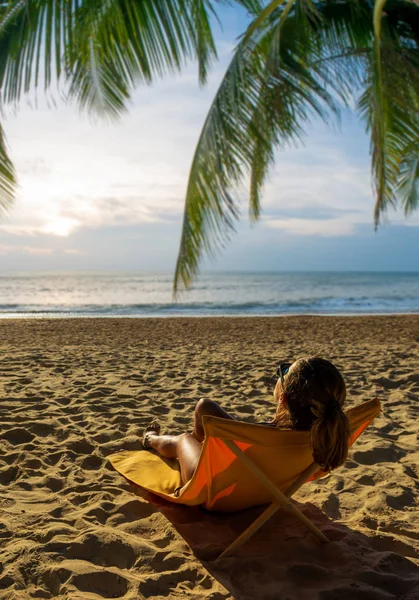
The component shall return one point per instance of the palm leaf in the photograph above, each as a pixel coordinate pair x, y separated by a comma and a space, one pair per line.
261, 19
219, 160
7, 175
407, 189
379, 118
389, 107
103, 48
263, 156
295, 85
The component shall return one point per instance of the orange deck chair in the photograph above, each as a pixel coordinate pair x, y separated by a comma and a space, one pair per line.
241, 465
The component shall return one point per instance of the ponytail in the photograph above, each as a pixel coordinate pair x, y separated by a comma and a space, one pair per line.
329, 435
315, 392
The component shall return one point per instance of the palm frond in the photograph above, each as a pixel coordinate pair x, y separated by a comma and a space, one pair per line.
97, 85
261, 19
209, 207
379, 120
389, 106
7, 175
102, 47
297, 76
377, 17
201, 31
407, 189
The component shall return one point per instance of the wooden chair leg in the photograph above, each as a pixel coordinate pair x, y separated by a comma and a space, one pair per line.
247, 533
282, 500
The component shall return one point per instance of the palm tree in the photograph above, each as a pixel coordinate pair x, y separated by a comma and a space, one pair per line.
299, 59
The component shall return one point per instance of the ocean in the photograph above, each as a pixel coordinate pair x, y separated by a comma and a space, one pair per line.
97, 294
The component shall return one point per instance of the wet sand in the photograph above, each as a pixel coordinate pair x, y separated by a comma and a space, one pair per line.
73, 391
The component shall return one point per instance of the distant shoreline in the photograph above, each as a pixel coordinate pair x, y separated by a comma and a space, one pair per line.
164, 317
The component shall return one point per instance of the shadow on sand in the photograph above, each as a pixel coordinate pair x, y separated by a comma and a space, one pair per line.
283, 560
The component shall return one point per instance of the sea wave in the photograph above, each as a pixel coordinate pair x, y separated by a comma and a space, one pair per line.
320, 306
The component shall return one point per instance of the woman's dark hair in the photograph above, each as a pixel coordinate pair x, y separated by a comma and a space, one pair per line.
315, 393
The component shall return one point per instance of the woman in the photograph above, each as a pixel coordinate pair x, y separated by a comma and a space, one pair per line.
309, 393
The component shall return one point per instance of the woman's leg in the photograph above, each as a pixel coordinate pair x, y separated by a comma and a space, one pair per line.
185, 447
206, 407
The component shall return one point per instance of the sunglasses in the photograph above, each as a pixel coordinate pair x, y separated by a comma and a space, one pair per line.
282, 370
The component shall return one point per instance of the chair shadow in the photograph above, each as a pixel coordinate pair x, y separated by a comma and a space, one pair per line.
284, 560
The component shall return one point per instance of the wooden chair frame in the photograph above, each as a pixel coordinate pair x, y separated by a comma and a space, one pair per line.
282, 500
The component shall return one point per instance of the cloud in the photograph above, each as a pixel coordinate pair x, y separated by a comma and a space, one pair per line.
312, 211
10, 249
73, 251
37, 251
34, 166
73, 174
5, 249
309, 227
337, 183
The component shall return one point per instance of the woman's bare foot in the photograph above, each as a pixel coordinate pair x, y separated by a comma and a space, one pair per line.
150, 430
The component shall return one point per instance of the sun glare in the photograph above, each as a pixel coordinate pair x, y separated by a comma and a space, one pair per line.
61, 227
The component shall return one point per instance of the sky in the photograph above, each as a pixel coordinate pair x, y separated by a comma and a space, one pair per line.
98, 196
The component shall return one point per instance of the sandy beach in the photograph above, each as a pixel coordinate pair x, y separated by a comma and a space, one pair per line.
74, 391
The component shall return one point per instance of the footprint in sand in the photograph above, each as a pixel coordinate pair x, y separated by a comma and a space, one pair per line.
160, 410
101, 393
54, 484
379, 455
81, 447
64, 402
366, 480
102, 583
92, 463
8, 475
133, 510
18, 436
32, 463
96, 515
331, 507
413, 378
167, 581
105, 583
388, 384
99, 550
183, 421
41, 429
399, 502
165, 561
